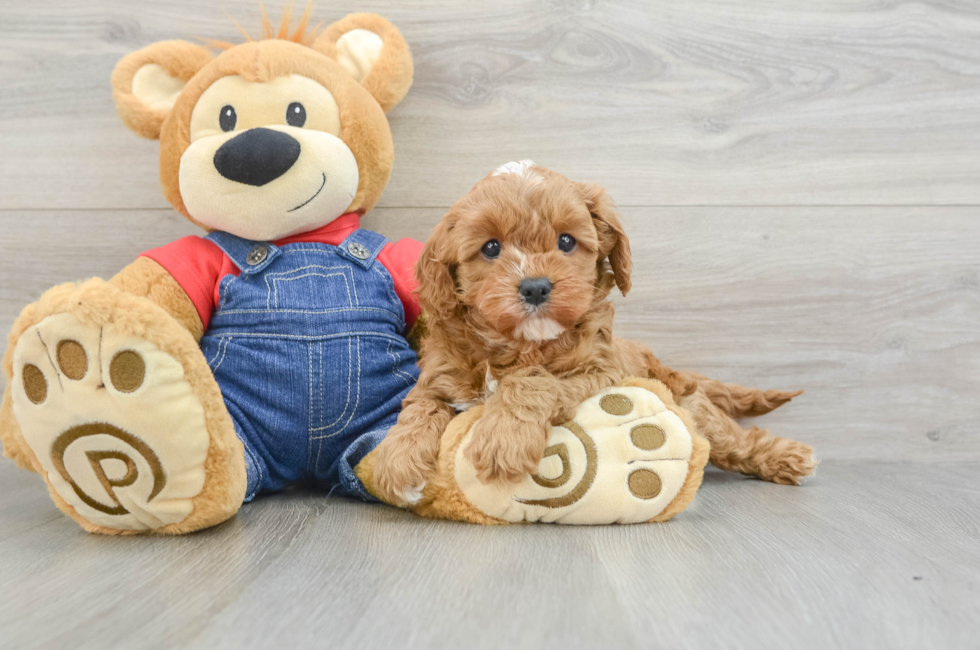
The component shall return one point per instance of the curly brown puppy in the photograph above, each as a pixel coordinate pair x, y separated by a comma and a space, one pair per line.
515, 281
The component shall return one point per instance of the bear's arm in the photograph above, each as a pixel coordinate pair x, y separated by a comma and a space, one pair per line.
147, 279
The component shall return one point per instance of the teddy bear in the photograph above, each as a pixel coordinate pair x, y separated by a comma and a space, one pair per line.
270, 351
275, 349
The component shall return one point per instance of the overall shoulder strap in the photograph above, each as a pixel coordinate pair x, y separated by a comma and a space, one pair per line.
362, 247
249, 256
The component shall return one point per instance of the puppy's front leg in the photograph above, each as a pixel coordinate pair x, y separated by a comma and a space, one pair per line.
407, 456
509, 439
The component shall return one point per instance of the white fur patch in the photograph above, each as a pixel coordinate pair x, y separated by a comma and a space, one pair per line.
520, 167
517, 260
412, 494
538, 328
490, 384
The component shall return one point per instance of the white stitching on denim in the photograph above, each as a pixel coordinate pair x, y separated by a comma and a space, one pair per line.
350, 376
357, 402
309, 250
323, 337
307, 311
319, 347
271, 280
276, 281
223, 291
223, 345
335, 250
314, 312
255, 461
313, 465
216, 353
389, 283
357, 299
272, 277
309, 432
409, 379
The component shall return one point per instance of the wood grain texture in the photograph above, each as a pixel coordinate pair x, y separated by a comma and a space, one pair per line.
866, 556
706, 103
873, 311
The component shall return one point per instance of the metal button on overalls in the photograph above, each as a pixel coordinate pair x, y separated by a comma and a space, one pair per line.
358, 250
257, 255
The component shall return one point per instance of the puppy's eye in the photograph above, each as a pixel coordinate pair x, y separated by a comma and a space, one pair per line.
566, 243
491, 249
296, 115
228, 118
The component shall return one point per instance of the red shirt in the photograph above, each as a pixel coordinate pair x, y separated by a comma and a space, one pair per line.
198, 265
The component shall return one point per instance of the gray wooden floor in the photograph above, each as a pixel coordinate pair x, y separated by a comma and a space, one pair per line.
801, 183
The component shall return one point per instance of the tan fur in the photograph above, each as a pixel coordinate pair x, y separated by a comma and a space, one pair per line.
97, 303
749, 451
148, 279
14, 446
181, 59
477, 316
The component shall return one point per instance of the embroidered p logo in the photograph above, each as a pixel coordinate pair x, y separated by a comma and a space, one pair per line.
561, 450
97, 459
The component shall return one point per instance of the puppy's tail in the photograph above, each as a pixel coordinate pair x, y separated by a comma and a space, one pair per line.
740, 401
680, 384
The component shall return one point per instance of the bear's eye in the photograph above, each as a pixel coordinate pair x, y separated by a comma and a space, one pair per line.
296, 115
228, 118
566, 243
491, 249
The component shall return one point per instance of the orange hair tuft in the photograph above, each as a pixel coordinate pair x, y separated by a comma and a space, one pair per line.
300, 35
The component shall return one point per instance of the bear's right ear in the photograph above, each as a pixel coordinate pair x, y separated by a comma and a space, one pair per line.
146, 83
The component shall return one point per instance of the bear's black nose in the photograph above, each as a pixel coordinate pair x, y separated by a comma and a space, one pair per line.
257, 156
535, 290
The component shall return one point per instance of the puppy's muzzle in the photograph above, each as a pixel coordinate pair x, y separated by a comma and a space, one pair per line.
257, 156
535, 291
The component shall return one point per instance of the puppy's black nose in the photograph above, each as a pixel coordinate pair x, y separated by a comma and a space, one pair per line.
257, 156
535, 290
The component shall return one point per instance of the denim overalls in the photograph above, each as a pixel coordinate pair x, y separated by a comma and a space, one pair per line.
308, 347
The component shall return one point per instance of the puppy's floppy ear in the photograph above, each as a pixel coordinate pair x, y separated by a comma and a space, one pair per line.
373, 51
147, 82
613, 242
437, 289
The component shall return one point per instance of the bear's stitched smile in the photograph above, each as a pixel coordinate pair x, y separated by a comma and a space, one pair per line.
322, 185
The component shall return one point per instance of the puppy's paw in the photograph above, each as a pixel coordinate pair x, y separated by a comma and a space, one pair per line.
504, 449
400, 471
788, 463
413, 495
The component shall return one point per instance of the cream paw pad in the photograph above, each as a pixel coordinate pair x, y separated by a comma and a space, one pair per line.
113, 422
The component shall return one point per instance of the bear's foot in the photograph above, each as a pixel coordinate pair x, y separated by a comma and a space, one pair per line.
628, 455
123, 436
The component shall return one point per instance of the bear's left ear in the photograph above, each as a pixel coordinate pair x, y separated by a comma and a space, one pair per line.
373, 51
147, 82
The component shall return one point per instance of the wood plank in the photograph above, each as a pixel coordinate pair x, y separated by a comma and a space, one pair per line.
868, 555
708, 103
873, 311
